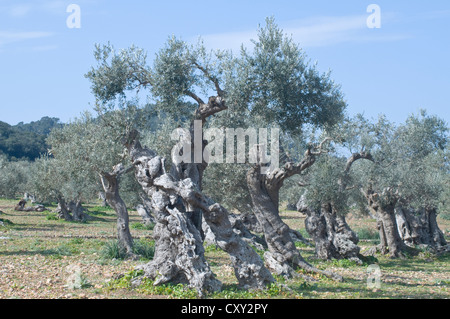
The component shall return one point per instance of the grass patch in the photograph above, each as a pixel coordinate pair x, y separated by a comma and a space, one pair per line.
367, 233
5, 222
51, 216
229, 291
141, 226
114, 250
62, 250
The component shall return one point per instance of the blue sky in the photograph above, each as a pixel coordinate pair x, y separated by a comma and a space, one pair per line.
395, 70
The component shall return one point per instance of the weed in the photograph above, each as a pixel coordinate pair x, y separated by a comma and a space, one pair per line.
138, 225
62, 250
368, 233
114, 250
144, 248
51, 216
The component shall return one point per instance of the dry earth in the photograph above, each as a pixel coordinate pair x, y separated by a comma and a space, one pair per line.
48, 259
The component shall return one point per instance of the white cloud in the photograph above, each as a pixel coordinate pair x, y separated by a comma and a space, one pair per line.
311, 32
324, 31
19, 10
10, 37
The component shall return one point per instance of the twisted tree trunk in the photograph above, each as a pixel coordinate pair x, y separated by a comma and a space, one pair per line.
62, 210
179, 253
21, 207
76, 208
283, 257
420, 228
333, 237
383, 207
110, 182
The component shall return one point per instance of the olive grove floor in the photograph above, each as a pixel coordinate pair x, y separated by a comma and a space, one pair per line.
41, 257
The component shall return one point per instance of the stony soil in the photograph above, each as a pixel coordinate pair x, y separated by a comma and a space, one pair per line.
41, 258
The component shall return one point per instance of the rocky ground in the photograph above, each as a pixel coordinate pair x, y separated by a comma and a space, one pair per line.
45, 258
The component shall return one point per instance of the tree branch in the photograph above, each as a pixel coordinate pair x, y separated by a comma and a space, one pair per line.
277, 176
356, 156
210, 77
342, 182
195, 97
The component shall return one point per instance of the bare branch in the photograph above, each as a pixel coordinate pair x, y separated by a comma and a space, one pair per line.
195, 97
210, 77
356, 156
320, 149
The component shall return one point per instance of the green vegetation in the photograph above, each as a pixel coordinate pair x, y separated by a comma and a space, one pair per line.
143, 248
26, 141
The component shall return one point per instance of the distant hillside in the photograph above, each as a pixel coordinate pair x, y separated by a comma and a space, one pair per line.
43, 126
26, 141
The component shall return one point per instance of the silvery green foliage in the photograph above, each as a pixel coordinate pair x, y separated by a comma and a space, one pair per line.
423, 144
272, 82
157, 134
284, 87
117, 71
409, 158
47, 179
79, 152
323, 180
14, 177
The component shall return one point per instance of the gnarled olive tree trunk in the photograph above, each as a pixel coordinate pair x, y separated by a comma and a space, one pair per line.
77, 210
333, 237
21, 207
283, 257
62, 210
179, 253
383, 207
110, 182
420, 228
145, 211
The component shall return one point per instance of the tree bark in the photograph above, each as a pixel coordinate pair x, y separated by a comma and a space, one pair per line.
240, 229
332, 235
76, 208
102, 197
179, 253
62, 210
383, 207
283, 257
110, 182
21, 207
420, 228
144, 212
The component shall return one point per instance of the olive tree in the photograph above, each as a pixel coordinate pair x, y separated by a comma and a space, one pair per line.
180, 75
50, 182
406, 171
283, 90
14, 177
90, 153
425, 168
326, 201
